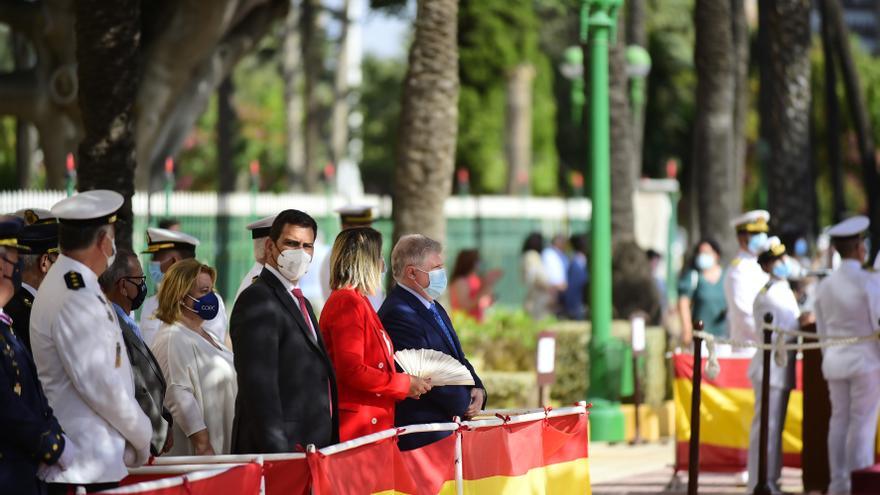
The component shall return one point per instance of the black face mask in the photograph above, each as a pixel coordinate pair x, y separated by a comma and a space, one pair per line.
138, 299
16, 273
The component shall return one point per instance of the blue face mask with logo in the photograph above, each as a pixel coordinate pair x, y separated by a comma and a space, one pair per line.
156, 274
757, 242
436, 282
206, 306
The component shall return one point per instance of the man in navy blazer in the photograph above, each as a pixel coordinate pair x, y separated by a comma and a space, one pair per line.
415, 320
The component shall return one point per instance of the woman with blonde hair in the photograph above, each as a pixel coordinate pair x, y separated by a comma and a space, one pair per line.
359, 348
198, 368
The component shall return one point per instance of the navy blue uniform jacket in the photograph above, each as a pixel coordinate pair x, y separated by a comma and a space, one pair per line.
30, 432
412, 326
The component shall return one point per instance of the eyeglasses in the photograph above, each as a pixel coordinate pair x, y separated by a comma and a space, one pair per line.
136, 280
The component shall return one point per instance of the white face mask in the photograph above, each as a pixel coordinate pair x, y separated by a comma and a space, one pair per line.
112, 257
293, 263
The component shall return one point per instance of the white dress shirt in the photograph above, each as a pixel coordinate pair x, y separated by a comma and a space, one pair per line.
289, 286
743, 282
84, 369
555, 264
848, 305
201, 386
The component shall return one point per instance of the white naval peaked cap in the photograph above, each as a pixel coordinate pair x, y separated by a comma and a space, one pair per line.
774, 246
159, 239
96, 207
850, 227
261, 227
33, 216
752, 221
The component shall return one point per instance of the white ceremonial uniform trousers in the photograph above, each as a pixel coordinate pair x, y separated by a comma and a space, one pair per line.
853, 426
777, 405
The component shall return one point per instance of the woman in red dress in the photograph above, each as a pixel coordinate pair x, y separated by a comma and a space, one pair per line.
359, 348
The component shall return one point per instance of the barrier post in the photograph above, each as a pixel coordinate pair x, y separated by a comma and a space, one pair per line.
761, 487
694, 454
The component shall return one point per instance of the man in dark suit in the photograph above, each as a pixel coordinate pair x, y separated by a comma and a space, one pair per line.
286, 382
125, 285
415, 320
41, 236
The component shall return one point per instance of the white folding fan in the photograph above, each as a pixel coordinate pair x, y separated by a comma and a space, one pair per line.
441, 368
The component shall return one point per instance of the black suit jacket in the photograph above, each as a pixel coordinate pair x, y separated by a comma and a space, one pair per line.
412, 326
19, 309
286, 382
149, 386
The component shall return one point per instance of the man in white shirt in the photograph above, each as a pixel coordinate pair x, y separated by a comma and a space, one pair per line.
847, 305
79, 350
259, 233
167, 248
744, 277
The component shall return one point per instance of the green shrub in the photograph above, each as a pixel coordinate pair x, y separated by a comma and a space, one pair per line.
510, 389
505, 341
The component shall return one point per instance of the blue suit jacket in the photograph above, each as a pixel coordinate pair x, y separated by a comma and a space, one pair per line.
412, 326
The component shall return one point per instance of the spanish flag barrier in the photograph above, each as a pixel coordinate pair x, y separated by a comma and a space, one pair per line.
539, 451
726, 409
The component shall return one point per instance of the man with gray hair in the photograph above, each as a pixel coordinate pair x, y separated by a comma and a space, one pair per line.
415, 320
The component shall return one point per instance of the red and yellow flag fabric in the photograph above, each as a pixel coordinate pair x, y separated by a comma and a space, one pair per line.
240, 480
726, 407
539, 457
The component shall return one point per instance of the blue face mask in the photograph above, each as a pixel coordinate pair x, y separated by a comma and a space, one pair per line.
436, 282
757, 242
781, 270
800, 247
704, 261
206, 306
156, 275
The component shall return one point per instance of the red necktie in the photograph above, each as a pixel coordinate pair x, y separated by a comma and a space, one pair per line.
298, 294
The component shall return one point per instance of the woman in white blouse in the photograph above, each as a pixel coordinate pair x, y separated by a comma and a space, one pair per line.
198, 369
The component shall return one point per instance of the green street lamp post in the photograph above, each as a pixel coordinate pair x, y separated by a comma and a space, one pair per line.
598, 26
572, 68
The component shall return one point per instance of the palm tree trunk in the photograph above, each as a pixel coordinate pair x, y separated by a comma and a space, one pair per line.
785, 118
313, 64
292, 72
107, 49
861, 122
714, 145
736, 174
339, 127
428, 123
518, 128
624, 169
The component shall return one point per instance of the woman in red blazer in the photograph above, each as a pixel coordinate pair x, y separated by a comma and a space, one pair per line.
359, 348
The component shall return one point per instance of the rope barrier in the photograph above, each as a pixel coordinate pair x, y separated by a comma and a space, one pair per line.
780, 348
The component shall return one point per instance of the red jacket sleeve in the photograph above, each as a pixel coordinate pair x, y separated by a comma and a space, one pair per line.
355, 348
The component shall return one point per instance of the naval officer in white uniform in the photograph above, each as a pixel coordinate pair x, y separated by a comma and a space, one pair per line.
259, 232
744, 277
168, 247
776, 298
79, 350
847, 305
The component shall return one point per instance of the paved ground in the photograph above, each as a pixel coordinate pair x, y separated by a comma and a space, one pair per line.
647, 469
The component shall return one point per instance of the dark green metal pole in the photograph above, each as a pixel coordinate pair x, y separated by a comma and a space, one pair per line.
598, 19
